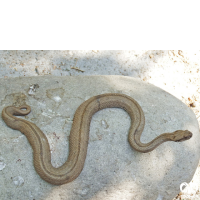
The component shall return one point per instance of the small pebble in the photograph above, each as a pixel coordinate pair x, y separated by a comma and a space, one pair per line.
193, 104
151, 56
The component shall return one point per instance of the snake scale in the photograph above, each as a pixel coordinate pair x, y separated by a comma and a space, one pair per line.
79, 135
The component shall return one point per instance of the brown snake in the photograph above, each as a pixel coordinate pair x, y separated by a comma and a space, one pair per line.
79, 135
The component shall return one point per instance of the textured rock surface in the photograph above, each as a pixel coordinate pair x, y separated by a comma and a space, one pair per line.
112, 169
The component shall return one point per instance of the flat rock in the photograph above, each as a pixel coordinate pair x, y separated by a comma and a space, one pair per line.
112, 170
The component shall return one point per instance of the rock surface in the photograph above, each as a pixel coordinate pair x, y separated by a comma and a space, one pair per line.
112, 169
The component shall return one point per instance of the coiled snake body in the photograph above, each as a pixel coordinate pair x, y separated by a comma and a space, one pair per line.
79, 135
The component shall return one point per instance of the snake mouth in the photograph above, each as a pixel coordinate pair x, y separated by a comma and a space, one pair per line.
183, 139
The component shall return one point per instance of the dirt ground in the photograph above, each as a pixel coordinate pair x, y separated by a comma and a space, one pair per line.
175, 71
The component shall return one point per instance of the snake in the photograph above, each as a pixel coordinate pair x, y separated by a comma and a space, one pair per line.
79, 135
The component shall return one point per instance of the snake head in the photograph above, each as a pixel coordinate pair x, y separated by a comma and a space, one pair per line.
179, 135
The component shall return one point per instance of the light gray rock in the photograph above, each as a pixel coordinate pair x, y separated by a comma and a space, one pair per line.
113, 170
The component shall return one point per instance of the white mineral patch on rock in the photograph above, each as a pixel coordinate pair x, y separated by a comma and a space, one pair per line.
18, 181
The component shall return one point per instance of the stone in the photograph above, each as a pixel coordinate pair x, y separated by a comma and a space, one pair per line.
112, 170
